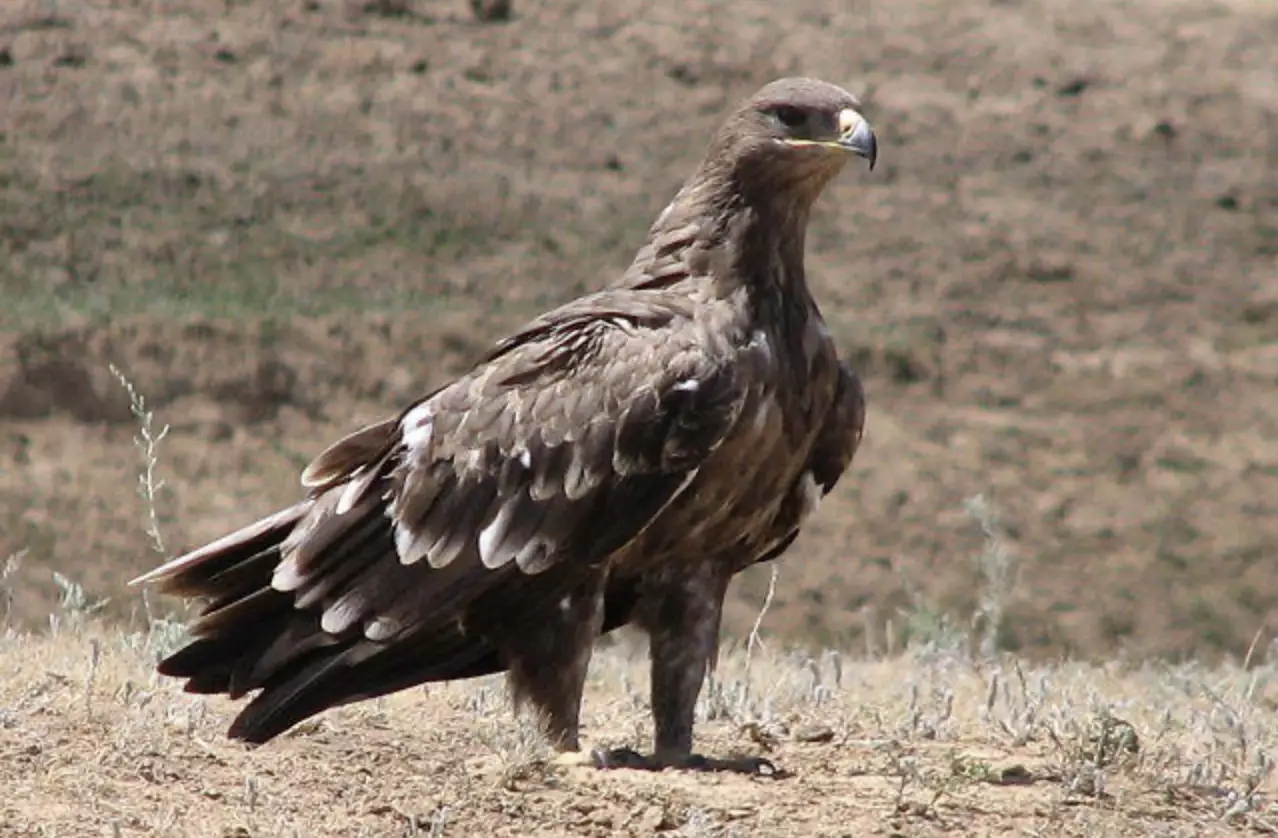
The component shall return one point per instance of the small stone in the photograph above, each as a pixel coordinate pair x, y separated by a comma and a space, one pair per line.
654, 819
814, 733
1014, 775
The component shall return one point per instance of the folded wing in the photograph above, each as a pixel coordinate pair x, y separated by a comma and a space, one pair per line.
482, 501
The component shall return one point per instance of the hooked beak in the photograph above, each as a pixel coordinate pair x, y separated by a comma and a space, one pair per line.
856, 136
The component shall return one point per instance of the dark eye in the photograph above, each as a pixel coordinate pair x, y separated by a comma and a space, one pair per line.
790, 116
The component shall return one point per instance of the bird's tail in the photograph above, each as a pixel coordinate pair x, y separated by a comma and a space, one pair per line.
249, 636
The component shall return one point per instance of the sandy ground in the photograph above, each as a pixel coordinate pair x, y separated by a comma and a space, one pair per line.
928, 743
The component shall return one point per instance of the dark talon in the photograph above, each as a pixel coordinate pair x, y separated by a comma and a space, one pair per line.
752, 766
605, 758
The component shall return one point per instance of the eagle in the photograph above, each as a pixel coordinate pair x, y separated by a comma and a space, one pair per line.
615, 461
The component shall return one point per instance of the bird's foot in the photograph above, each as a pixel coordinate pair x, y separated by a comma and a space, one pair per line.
630, 758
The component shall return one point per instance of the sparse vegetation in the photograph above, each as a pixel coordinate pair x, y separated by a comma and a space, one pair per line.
923, 743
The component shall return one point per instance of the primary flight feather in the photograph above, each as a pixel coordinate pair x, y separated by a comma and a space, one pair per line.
615, 461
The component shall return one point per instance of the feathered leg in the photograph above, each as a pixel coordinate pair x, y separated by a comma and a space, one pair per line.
681, 609
548, 656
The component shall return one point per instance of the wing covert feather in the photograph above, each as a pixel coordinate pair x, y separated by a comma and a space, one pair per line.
558, 450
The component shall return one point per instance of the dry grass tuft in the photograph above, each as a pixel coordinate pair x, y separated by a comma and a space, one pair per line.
927, 742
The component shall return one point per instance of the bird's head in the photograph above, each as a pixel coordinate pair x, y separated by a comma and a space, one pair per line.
794, 135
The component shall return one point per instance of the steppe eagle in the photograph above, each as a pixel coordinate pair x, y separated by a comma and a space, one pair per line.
617, 460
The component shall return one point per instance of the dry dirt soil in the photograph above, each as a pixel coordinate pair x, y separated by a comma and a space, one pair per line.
927, 744
281, 220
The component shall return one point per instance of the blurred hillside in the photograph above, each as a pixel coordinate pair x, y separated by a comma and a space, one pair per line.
280, 220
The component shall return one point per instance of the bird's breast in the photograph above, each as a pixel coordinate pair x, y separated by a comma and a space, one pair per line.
735, 496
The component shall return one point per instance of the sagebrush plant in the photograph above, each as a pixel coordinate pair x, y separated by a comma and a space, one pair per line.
7, 573
929, 630
997, 567
74, 605
148, 442
164, 634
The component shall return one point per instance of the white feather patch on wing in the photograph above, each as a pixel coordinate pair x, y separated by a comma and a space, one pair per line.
492, 536
286, 577
812, 495
354, 490
417, 433
341, 615
382, 629
410, 546
417, 437
422, 414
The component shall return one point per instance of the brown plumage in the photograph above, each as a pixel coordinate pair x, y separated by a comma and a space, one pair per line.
615, 461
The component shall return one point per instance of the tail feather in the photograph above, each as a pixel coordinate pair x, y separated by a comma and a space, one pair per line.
250, 636
356, 671
277, 651
254, 609
278, 707
206, 664
361, 545
240, 579
248, 657
189, 575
